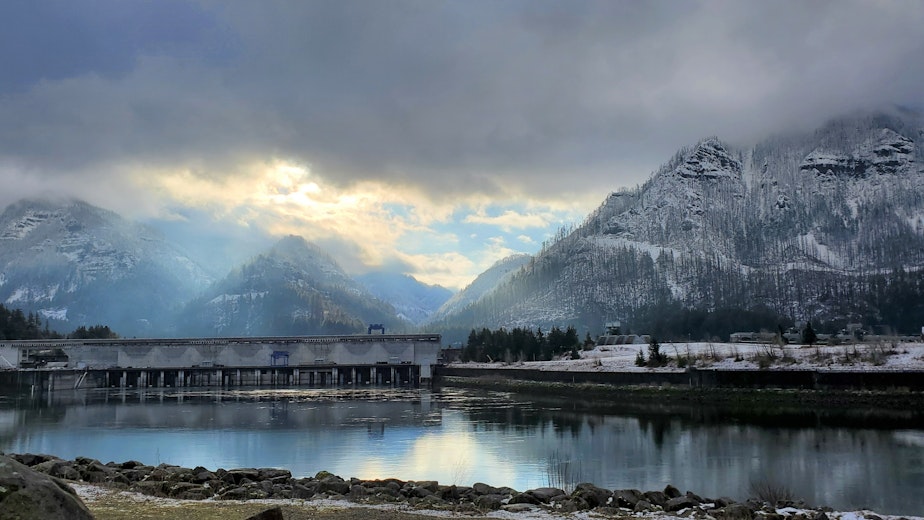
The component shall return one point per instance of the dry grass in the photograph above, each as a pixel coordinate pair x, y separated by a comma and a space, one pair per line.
114, 505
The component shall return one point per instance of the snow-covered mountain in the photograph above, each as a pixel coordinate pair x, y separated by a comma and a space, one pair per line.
293, 289
825, 226
413, 300
483, 284
75, 264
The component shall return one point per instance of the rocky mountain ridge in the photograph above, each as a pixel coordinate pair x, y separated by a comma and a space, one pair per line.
828, 226
73, 263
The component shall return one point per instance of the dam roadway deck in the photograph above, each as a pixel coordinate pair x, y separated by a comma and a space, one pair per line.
240, 361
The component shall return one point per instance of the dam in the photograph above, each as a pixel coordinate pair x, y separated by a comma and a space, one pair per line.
377, 359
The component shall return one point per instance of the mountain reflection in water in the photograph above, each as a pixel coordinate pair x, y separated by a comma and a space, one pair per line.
845, 459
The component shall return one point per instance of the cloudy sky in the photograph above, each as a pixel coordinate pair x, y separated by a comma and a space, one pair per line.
428, 137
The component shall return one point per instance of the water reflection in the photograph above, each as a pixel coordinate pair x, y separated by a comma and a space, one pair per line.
846, 459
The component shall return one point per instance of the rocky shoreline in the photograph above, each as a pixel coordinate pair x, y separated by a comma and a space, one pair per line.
175, 482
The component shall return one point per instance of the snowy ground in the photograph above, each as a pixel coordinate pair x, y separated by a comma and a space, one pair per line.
883, 356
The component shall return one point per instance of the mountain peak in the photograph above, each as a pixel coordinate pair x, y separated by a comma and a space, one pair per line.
294, 248
709, 160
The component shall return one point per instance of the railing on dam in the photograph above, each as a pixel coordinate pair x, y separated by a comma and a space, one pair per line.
243, 340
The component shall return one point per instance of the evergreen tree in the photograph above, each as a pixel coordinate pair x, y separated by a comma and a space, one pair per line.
808, 334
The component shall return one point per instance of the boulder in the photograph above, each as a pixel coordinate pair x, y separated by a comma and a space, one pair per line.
571, 504
734, 512
489, 502
448, 492
334, 484
419, 492
241, 476
430, 485
277, 476
627, 497
302, 492
682, 502
31, 459
65, 471
481, 488
274, 513
671, 491
29, 495
546, 494
524, 498
593, 495
657, 498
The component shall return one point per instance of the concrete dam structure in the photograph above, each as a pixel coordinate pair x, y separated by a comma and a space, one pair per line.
244, 361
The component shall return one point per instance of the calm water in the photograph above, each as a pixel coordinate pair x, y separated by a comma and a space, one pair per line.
847, 461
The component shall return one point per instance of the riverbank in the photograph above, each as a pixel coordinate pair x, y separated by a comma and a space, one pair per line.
640, 396
136, 491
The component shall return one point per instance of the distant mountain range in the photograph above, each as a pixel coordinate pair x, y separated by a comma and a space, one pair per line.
827, 226
414, 301
78, 265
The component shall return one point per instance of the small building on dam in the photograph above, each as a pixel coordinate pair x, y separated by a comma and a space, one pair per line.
242, 361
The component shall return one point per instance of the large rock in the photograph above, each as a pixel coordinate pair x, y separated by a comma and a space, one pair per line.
26, 494
595, 496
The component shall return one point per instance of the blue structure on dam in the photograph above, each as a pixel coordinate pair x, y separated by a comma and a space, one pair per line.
241, 361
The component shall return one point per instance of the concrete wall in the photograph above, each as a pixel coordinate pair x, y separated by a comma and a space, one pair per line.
796, 379
416, 349
9, 357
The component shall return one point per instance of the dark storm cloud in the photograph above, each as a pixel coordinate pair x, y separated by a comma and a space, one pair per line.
453, 96
55, 39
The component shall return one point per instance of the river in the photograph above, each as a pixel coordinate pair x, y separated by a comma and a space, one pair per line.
846, 460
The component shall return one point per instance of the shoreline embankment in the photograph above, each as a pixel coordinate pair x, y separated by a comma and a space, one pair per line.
894, 390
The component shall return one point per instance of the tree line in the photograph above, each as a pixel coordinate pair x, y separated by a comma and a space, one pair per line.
15, 324
520, 344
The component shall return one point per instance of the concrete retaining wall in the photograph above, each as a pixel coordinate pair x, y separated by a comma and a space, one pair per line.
795, 379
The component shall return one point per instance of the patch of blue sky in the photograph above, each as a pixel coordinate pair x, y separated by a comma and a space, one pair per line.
502, 229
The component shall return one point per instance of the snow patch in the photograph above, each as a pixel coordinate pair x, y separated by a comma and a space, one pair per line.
54, 314
33, 294
19, 229
821, 252
20, 294
234, 298
738, 356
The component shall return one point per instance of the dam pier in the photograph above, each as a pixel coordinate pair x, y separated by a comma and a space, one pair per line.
372, 359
